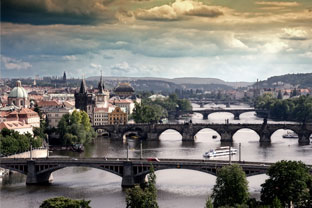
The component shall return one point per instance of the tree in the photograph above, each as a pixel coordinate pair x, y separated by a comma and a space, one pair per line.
209, 203
62, 202
279, 95
231, 187
145, 113
75, 128
276, 203
12, 142
289, 182
146, 197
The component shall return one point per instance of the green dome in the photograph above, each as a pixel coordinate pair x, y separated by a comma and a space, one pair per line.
18, 91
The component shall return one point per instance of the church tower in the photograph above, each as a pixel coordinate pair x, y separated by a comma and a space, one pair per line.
82, 99
102, 96
64, 77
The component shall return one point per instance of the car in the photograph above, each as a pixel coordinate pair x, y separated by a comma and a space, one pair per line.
153, 159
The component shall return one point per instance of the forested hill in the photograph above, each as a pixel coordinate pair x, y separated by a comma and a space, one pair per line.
302, 80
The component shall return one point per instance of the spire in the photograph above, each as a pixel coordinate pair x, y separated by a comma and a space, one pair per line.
83, 86
101, 84
64, 76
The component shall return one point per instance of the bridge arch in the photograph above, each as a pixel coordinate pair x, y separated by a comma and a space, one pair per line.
238, 131
169, 129
132, 131
102, 132
213, 134
146, 172
285, 131
116, 170
230, 115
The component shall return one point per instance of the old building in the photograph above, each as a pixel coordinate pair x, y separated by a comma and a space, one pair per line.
18, 126
124, 90
24, 115
117, 116
84, 100
54, 114
127, 104
18, 96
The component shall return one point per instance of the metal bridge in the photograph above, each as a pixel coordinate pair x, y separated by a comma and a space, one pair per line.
132, 171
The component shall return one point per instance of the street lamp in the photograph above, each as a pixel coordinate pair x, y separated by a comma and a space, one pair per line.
141, 150
127, 151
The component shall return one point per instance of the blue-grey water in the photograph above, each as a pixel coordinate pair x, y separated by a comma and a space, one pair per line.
176, 188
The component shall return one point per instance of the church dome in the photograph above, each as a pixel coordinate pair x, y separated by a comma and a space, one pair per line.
18, 91
124, 87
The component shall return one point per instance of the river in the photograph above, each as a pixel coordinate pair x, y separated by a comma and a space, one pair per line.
176, 188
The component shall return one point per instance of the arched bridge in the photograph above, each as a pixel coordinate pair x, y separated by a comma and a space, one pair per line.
207, 112
189, 130
132, 171
202, 102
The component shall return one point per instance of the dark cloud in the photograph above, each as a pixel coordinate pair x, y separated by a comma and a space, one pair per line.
44, 12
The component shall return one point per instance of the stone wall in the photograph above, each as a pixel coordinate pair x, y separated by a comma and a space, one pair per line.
36, 153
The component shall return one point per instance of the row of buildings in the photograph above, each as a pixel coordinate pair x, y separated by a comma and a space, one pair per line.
17, 115
102, 106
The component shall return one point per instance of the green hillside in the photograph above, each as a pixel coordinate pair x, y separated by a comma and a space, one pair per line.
302, 80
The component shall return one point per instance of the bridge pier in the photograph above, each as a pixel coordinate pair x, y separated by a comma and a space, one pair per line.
34, 178
152, 136
304, 138
226, 136
128, 176
236, 116
187, 136
116, 136
265, 137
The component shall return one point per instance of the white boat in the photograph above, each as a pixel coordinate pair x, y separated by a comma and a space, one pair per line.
220, 151
290, 135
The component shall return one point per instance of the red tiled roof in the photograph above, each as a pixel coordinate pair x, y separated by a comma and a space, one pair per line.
100, 109
14, 125
48, 103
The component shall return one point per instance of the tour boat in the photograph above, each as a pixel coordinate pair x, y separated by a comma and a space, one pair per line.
220, 151
290, 135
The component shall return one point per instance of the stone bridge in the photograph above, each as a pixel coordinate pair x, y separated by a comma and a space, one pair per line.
189, 130
207, 112
228, 103
132, 171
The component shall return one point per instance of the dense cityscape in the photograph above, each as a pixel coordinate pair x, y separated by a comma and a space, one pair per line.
147, 104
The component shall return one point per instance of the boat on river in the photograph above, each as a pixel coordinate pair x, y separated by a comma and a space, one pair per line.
220, 151
290, 135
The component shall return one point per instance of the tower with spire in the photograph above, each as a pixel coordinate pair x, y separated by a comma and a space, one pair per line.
64, 77
83, 99
102, 96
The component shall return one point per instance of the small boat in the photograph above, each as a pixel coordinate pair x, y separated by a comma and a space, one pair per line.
290, 135
78, 147
220, 151
214, 136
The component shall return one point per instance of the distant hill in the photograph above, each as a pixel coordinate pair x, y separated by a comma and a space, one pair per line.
206, 83
303, 80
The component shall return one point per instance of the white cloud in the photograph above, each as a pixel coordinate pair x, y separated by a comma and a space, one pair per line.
69, 58
274, 47
14, 64
96, 66
178, 10
294, 34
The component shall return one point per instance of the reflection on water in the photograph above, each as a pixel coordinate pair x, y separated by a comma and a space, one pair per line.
176, 188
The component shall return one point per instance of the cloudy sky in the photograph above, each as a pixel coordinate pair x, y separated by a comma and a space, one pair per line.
235, 40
